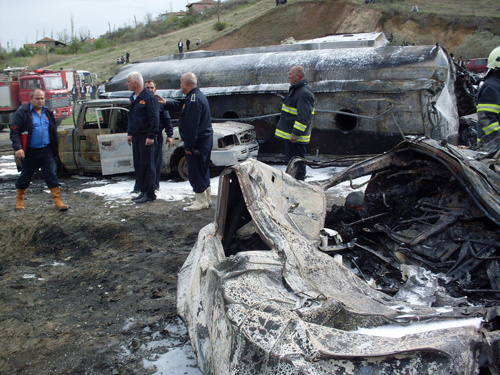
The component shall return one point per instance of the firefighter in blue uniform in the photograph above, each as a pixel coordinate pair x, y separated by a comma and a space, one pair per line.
295, 123
195, 127
142, 131
488, 101
164, 124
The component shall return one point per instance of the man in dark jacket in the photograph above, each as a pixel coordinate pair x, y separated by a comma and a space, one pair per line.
33, 133
165, 124
142, 132
295, 123
195, 127
488, 101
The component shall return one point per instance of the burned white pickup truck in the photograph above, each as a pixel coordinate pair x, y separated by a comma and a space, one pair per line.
98, 142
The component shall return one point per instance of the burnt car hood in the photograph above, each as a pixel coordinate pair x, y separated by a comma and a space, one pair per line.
278, 305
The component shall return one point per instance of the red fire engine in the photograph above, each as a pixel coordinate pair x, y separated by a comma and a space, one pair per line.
16, 85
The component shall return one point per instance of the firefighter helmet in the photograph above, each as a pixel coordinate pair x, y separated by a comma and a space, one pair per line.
494, 59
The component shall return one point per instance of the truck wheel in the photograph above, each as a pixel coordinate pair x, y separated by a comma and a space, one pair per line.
182, 169
59, 121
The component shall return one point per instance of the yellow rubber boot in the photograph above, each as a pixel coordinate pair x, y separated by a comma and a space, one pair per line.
56, 196
20, 199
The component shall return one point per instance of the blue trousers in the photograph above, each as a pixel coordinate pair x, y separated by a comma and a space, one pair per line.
144, 165
158, 158
38, 158
296, 149
198, 165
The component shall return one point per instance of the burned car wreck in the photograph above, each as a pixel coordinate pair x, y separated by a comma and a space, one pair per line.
260, 295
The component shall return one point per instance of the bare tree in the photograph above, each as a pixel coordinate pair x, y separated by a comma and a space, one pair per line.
63, 37
72, 27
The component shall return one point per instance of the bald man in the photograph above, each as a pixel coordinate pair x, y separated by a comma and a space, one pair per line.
295, 123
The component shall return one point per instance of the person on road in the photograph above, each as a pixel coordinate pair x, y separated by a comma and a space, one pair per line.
295, 123
164, 124
195, 127
142, 132
33, 133
488, 101
74, 93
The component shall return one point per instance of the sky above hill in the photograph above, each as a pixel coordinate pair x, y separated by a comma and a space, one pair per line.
26, 21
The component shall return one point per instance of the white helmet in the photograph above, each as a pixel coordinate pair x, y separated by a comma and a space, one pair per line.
494, 59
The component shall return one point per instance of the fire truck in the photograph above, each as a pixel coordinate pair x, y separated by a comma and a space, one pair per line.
16, 85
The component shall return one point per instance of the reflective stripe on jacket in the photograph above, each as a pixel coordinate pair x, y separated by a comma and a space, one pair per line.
488, 108
297, 113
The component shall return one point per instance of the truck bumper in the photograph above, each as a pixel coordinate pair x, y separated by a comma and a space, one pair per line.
62, 113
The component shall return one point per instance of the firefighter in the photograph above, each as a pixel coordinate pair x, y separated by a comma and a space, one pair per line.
164, 124
142, 135
296, 118
488, 101
195, 127
33, 133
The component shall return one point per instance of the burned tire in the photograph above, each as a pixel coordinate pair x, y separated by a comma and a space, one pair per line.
182, 169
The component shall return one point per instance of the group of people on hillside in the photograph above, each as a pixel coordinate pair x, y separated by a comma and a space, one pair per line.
180, 44
34, 133
123, 59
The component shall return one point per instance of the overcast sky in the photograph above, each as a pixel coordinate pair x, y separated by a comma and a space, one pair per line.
26, 21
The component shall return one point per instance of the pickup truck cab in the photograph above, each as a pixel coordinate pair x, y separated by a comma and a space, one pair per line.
98, 142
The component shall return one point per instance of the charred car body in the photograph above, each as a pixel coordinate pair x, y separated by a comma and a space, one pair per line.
368, 94
259, 296
98, 142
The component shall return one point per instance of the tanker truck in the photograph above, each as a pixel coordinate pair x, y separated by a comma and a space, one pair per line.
369, 95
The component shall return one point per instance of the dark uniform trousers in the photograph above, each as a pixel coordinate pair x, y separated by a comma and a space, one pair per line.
144, 165
296, 149
198, 165
42, 158
158, 158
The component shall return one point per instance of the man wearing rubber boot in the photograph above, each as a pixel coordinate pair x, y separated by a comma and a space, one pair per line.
33, 133
195, 127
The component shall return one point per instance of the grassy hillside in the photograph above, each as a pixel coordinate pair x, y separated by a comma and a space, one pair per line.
467, 28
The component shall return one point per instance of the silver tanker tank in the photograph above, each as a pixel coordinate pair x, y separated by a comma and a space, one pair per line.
369, 95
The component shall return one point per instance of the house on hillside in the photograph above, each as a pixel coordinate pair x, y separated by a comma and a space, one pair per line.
201, 6
179, 15
35, 47
51, 43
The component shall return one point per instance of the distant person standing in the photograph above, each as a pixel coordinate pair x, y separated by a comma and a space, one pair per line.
33, 133
295, 123
127, 57
93, 93
198, 42
488, 101
74, 93
165, 124
142, 132
180, 46
195, 126
188, 42
83, 92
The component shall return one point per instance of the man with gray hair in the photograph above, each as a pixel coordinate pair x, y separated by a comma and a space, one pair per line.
195, 127
143, 119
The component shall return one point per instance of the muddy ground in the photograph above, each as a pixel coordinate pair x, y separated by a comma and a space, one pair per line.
84, 291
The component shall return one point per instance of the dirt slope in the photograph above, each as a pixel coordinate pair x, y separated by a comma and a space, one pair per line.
303, 20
